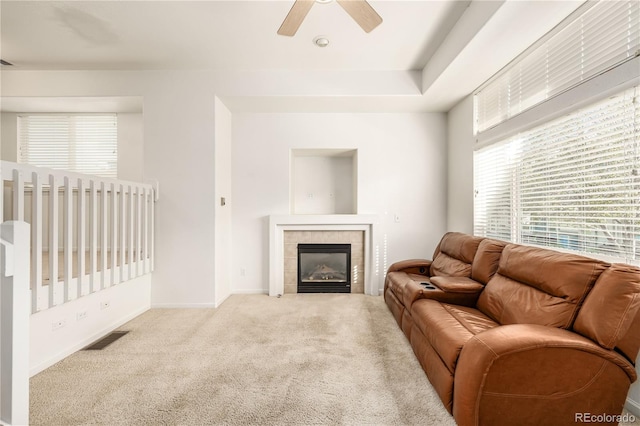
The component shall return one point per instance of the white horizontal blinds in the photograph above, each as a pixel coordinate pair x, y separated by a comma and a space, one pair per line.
605, 35
96, 145
572, 183
494, 179
79, 143
492, 104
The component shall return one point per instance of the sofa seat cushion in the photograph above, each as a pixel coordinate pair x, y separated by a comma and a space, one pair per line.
448, 327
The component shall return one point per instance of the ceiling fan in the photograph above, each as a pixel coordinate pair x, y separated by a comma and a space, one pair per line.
360, 11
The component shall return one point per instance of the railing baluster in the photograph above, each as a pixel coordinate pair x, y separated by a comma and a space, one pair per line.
93, 236
131, 206
138, 231
36, 242
145, 232
113, 241
103, 235
123, 231
53, 240
82, 235
68, 237
152, 226
18, 195
1, 196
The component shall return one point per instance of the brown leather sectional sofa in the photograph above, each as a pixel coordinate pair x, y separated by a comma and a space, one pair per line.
510, 334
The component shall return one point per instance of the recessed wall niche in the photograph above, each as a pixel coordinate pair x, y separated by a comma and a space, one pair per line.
323, 181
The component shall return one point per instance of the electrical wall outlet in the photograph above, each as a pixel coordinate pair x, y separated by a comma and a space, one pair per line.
105, 305
56, 325
81, 315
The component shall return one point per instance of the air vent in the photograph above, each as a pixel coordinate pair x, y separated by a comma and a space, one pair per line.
105, 341
3, 62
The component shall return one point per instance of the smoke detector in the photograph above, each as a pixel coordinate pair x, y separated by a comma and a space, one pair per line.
321, 41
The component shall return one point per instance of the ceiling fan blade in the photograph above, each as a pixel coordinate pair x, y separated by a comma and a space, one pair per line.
362, 13
295, 17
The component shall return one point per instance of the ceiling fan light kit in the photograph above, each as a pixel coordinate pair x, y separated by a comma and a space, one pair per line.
360, 10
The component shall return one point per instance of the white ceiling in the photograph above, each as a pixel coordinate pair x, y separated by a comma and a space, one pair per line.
217, 35
445, 48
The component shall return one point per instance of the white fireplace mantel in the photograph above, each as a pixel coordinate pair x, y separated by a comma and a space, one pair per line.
369, 224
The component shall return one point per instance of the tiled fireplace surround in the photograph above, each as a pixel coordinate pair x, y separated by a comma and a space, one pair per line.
293, 238
286, 231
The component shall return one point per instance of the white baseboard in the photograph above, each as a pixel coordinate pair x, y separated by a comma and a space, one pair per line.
220, 301
633, 407
253, 291
250, 291
182, 305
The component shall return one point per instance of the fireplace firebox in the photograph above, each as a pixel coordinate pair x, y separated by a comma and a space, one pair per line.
324, 268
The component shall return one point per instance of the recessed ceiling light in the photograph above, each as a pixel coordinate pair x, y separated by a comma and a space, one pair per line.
321, 41
323, 1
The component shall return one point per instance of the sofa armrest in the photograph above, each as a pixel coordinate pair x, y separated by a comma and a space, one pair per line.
457, 284
519, 372
411, 266
454, 290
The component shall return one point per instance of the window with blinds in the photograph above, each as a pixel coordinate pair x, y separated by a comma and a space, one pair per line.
572, 183
604, 35
79, 143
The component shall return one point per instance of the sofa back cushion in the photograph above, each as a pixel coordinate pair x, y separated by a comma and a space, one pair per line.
539, 286
610, 309
454, 255
485, 263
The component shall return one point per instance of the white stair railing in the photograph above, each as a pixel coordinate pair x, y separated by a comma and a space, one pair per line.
87, 233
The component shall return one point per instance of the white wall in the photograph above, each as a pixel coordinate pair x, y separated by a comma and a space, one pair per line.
323, 185
179, 153
460, 167
9, 136
223, 213
130, 147
401, 170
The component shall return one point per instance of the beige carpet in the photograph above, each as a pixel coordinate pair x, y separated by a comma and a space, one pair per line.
257, 360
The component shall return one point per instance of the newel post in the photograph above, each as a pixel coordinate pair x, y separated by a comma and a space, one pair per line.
15, 311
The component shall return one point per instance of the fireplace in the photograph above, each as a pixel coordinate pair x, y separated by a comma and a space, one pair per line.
361, 231
324, 268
